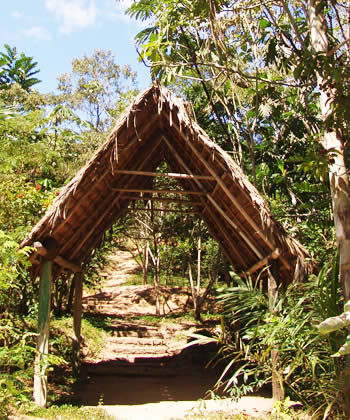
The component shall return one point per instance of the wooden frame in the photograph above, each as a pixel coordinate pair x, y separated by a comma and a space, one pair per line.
41, 363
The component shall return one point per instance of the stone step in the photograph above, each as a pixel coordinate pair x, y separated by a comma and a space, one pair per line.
139, 341
127, 350
135, 333
141, 366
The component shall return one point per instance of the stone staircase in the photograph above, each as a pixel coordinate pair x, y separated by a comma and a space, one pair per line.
134, 346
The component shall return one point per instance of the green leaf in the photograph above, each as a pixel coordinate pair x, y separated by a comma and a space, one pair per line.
264, 23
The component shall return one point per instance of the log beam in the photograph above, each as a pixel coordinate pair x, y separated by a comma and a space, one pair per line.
165, 210
178, 192
44, 252
262, 263
166, 174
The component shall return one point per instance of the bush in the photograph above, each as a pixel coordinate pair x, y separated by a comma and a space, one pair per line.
251, 331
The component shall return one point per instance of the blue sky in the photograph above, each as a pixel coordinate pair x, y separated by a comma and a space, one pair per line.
54, 32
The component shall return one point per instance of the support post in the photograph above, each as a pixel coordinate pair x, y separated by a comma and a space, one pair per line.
77, 313
273, 280
41, 362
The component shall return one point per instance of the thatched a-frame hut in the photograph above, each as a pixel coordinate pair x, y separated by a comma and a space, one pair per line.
156, 128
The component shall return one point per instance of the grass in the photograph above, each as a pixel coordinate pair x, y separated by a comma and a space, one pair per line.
174, 316
94, 334
136, 279
69, 412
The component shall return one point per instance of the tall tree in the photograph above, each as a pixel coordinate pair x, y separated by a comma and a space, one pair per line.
17, 68
96, 86
273, 74
333, 140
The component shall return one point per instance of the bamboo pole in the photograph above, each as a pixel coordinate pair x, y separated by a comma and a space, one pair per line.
235, 227
77, 313
262, 263
163, 200
41, 357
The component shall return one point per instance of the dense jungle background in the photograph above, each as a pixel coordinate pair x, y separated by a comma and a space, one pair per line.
269, 82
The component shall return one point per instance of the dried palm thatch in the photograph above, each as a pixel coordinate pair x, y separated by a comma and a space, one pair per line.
158, 128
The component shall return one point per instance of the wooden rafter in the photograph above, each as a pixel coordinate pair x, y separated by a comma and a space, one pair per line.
229, 194
165, 210
262, 263
101, 212
166, 174
140, 191
118, 197
163, 200
41, 250
132, 143
222, 185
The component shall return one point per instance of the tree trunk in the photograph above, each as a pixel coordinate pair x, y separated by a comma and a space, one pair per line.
197, 313
77, 315
145, 263
339, 182
277, 378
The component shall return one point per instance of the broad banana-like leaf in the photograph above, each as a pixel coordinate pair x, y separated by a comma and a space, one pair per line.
344, 349
332, 324
336, 322
347, 306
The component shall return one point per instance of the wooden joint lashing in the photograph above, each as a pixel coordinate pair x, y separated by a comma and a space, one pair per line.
49, 254
274, 255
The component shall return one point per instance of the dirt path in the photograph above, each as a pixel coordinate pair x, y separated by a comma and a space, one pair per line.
143, 367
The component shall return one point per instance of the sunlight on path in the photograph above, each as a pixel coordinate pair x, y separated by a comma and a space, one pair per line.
252, 406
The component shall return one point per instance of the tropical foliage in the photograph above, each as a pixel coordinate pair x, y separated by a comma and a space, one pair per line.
269, 83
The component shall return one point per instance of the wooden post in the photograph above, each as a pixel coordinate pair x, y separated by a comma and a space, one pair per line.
277, 383
77, 312
40, 365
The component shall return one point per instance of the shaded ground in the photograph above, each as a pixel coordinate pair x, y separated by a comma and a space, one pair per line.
143, 371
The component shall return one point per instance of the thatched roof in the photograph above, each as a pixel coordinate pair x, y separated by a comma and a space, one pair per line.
157, 128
